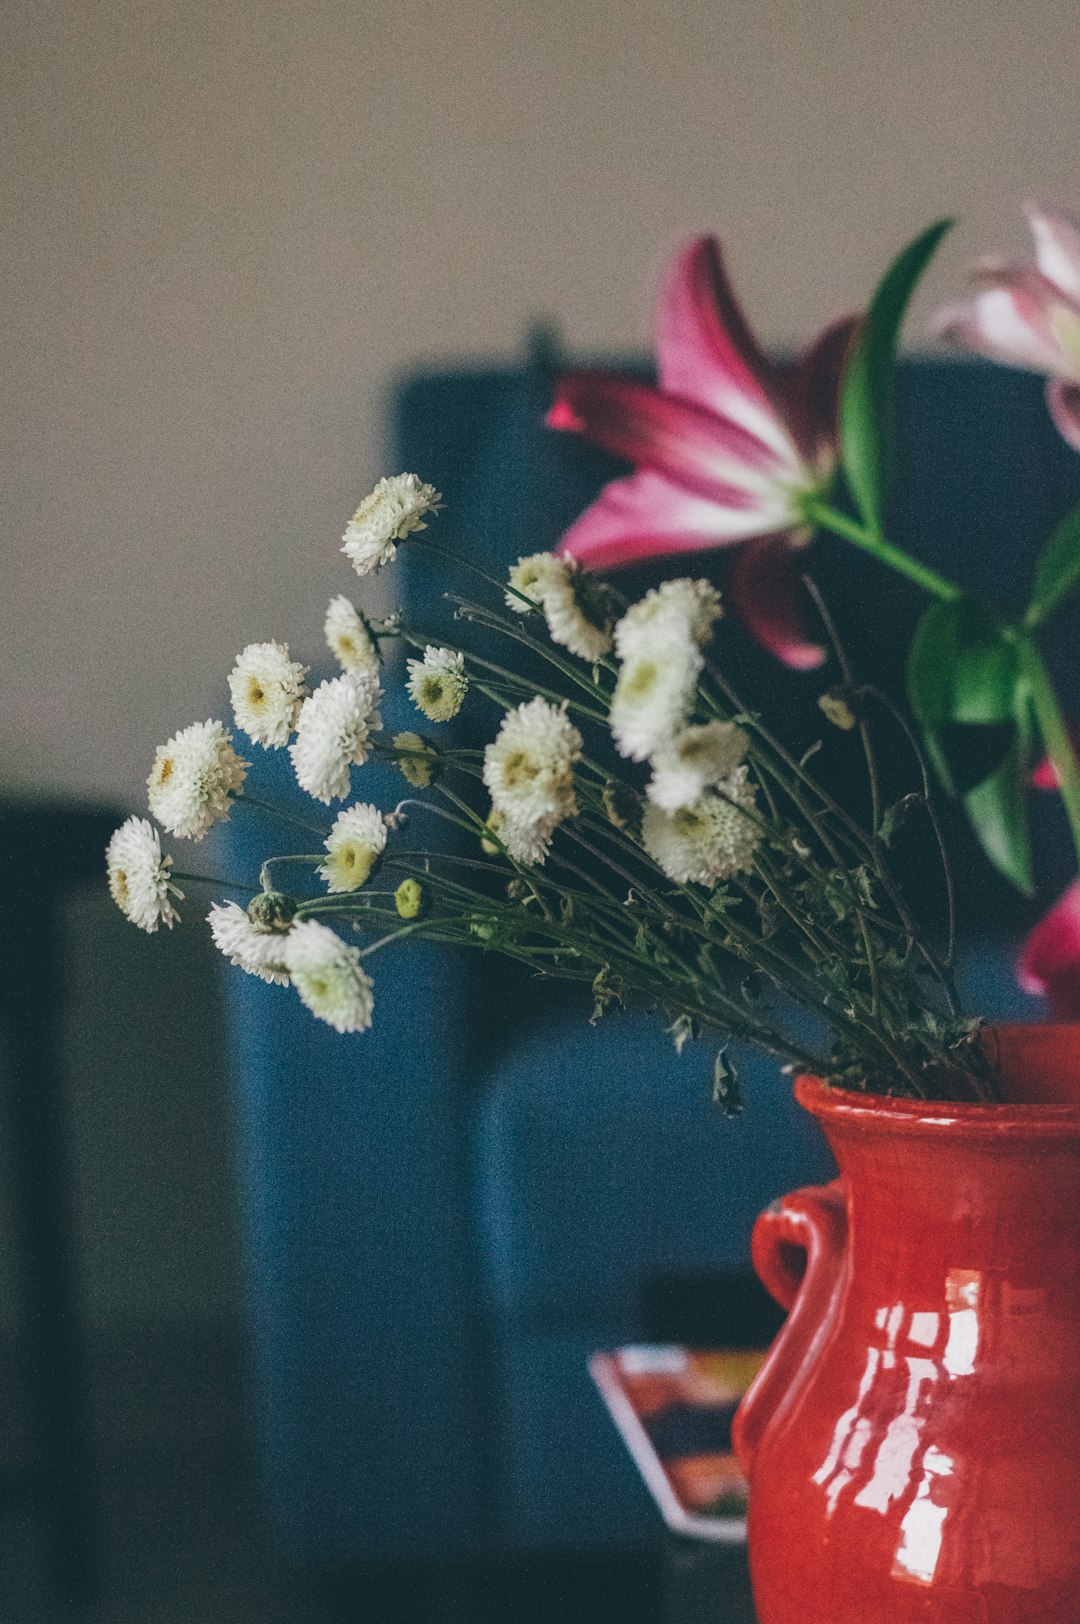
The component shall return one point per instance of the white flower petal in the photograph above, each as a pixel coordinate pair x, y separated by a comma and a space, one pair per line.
139, 881
194, 778
267, 691
395, 509
333, 733
327, 974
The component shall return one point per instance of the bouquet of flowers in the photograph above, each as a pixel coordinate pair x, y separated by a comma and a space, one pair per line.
633, 821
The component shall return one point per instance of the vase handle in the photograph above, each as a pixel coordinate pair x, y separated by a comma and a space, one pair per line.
798, 1249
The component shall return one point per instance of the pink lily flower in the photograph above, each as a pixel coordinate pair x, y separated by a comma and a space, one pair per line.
1029, 315
1050, 959
726, 449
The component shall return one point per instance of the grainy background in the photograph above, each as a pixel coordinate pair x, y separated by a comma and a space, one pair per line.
228, 223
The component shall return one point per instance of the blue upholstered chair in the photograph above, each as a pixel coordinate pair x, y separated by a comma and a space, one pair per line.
443, 1216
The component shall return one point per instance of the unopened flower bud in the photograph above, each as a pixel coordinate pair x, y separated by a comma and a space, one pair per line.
410, 899
272, 912
417, 761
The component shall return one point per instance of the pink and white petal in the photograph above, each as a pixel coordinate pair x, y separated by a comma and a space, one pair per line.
706, 352
812, 391
1057, 248
1063, 403
687, 444
769, 597
1006, 324
645, 516
1049, 964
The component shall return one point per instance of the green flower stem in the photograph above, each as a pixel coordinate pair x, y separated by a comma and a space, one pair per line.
211, 879
246, 799
819, 513
291, 857
1054, 732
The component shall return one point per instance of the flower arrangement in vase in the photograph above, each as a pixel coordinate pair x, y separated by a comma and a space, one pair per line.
634, 823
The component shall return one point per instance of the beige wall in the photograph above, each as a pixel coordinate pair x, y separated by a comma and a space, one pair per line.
226, 223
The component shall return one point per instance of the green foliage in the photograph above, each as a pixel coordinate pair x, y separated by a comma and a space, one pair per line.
966, 688
866, 401
1057, 573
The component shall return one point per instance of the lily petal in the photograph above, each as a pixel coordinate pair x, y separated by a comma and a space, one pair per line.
706, 352
1049, 964
1009, 320
706, 454
812, 390
1063, 402
1045, 774
646, 516
767, 591
1057, 248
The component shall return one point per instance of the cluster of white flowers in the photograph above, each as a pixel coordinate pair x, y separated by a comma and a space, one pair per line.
267, 691
348, 638
139, 880
333, 733
194, 778
355, 843
708, 840
575, 605
696, 758
325, 971
659, 642
529, 773
396, 508
438, 683
698, 821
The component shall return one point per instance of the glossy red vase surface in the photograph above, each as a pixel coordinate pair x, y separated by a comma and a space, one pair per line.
913, 1440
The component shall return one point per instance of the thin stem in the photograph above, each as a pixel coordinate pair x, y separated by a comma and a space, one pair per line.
1055, 734
211, 879
825, 517
247, 799
845, 671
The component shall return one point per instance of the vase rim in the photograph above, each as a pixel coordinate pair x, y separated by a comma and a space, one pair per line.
1036, 1058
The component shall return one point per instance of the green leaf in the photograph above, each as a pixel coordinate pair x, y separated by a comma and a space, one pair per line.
966, 688
998, 809
1057, 574
866, 403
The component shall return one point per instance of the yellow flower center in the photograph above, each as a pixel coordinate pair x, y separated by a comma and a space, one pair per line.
641, 678
519, 768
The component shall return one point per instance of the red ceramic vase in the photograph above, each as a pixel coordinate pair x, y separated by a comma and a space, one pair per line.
913, 1439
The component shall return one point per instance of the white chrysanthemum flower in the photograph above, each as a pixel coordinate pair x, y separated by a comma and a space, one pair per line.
530, 578
267, 691
348, 638
438, 683
139, 880
525, 842
357, 839
333, 732
529, 769
655, 691
695, 758
576, 606
693, 604
394, 510
261, 953
193, 779
708, 841
326, 972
